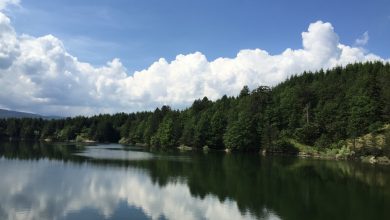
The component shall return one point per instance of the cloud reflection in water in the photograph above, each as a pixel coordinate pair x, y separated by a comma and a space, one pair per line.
46, 189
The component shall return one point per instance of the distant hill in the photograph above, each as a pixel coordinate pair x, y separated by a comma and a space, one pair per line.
15, 114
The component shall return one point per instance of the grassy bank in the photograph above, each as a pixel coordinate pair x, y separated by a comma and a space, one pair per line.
371, 148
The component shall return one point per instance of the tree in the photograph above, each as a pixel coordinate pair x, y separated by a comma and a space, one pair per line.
202, 130
48, 129
361, 111
68, 133
153, 123
244, 91
105, 132
241, 134
165, 134
13, 128
218, 125
318, 109
187, 137
124, 129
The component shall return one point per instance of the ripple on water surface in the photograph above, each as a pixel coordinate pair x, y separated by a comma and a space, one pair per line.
114, 151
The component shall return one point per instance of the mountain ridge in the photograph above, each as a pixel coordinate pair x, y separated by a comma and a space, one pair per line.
4, 113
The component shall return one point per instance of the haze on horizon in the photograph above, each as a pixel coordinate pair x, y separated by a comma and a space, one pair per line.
53, 58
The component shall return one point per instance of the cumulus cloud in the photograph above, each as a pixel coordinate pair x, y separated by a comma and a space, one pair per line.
37, 74
9, 47
363, 40
5, 3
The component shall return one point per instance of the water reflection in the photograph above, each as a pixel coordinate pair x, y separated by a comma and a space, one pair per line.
46, 181
115, 151
47, 189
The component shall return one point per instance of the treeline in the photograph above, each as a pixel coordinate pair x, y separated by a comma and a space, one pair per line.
315, 108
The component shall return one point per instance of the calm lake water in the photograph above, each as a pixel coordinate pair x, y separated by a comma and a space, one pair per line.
65, 181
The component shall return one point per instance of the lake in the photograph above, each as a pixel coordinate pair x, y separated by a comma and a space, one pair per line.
69, 181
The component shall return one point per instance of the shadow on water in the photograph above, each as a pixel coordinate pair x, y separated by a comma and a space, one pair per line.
39, 150
289, 187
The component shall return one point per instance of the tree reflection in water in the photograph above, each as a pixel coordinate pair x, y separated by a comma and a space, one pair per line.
60, 181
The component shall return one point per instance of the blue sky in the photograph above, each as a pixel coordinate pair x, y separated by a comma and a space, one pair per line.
139, 32
88, 57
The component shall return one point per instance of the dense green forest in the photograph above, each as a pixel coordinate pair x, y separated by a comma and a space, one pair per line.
320, 109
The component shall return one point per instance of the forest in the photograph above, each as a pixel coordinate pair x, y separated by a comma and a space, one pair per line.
319, 109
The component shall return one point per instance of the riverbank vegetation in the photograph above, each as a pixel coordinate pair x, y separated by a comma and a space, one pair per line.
339, 113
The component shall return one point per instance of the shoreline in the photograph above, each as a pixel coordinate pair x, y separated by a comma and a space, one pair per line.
303, 153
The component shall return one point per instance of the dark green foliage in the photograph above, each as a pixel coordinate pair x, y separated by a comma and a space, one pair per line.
202, 131
386, 148
105, 132
165, 134
241, 134
13, 128
48, 129
218, 125
285, 147
317, 109
244, 92
362, 114
308, 134
67, 133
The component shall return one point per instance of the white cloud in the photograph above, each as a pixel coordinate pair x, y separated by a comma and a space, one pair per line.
5, 3
362, 40
9, 45
37, 74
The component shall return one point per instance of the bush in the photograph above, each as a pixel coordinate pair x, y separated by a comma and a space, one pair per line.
386, 146
323, 142
375, 127
344, 153
286, 147
308, 134
365, 151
